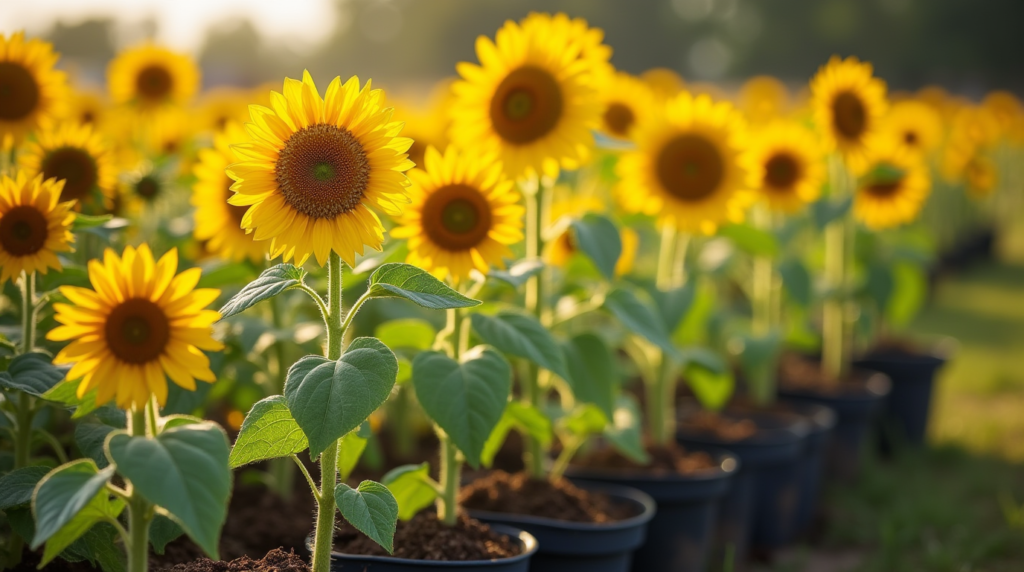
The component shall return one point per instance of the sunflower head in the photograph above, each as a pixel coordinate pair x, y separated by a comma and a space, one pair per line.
892, 186
531, 102
981, 175
627, 101
88, 107
763, 99
138, 325
426, 123
315, 165
221, 107
687, 167
31, 91
151, 76
914, 125
80, 157
34, 225
464, 215
849, 104
786, 166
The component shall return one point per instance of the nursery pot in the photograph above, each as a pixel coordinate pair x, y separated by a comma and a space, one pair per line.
584, 546
812, 463
520, 563
679, 536
855, 403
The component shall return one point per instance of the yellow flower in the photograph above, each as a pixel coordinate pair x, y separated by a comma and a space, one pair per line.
593, 51
34, 225
315, 166
559, 250
892, 186
972, 131
849, 104
138, 325
1007, 110
222, 106
981, 176
665, 84
166, 133
425, 124
88, 107
763, 99
31, 91
913, 125
151, 76
531, 102
630, 243
80, 157
463, 216
218, 222
786, 166
686, 169
627, 102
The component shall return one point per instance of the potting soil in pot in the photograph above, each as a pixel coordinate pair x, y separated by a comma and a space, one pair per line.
424, 537
277, 560
560, 500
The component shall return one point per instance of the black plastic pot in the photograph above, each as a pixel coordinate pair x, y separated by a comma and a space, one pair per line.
679, 536
763, 506
855, 404
579, 546
521, 563
812, 462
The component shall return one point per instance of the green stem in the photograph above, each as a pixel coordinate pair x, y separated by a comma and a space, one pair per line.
534, 304
833, 350
28, 314
661, 390
447, 505
138, 510
562, 462
24, 412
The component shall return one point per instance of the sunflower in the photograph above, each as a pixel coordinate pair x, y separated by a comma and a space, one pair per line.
665, 84
425, 124
80, 157
686, 168
34, 225
913, 125
763, 99
167, 133
218, 222
849, 104
151, 76
87, 107
627, 101
31, 91
973, 130
531, 103
315, 166
1007, 109
222, 106
593, 51
892, 186
786, 166
560, 249
981, 176
139, 326
463, 216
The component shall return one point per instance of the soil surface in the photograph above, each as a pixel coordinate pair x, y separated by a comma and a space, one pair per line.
518, 493
721, 426
276, 560
424, 537
799, 373
664, 460
30, 562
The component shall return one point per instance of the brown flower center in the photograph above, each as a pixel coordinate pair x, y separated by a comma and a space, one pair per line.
23, 231
148, 187
322, 171
618, 118
456, 217
526, 106
849, 117
19, 93
910, 138
883, 189
781, 172
690, 168
76, 167
137, 331
154, 83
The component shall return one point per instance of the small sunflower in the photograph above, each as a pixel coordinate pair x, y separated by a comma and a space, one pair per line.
849, 104
627, 102
686, 169
88, 107
786, 166
973, 130
426, 124
140, 325
34, 225
218, 222
222, 106
763, 99
1007, 109
913, 125
464, 215
151, 76
892, 186
531, 102
315, 166
81, 158
31, 91
665, 84
167, 133
981, 176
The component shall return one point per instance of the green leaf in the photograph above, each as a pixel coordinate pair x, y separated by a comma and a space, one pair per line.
32, 373
63, 492
518, 273
350, 448
827, 210
704, 357
522, 336
67, 394
268, 432
99, 508
522, 417
411, 333
82, 221
399, 280
372, 509
583, 421
592, 371
712, 389
880, 285
910, 290
162, 531
625, 432
99, 545
268, 284
673, 305
465, 399
598, 238
797, 281
639, 318
330, 398
410, 486
90, 438
184, 471
751, 240
16, 487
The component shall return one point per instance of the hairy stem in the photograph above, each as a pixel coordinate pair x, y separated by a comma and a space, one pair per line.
451, 468
138, 509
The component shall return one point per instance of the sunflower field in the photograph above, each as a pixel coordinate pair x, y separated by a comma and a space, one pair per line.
546, 314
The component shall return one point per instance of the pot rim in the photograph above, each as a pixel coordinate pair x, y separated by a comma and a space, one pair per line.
728, 465
623, 492
526, 540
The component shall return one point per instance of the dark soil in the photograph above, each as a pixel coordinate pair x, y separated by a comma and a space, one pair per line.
664, 460
30, 562
276, 560
424, 537
721, 426
799, 373
518, 493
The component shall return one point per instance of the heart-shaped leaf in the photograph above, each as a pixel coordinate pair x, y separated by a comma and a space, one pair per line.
184, 471
32, 373
16, 487
584, 420
350, 448
408, 333
673, 305
410, 486
372, 509
522, 336
639, 318
66, 394
100, 508
598, 238
827, 210
268, 432
796, 280
163, 530
518, 273
98, 546
63, 492
522, 417
330, 398
268, 284
593, 371
90, 438
465, 399
712, 389
399, 280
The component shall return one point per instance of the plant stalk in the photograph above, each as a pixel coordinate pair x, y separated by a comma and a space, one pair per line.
535, 224
833, 351
451, 468
661, 390
138, 509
